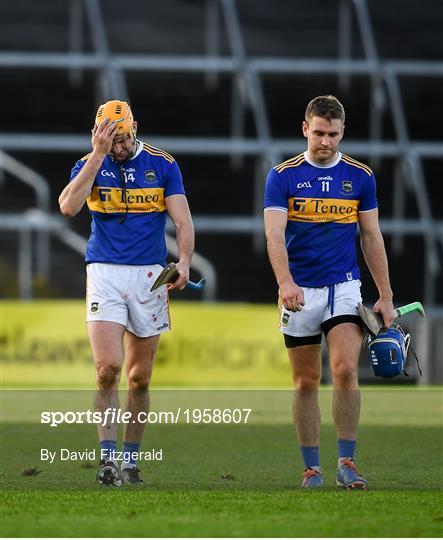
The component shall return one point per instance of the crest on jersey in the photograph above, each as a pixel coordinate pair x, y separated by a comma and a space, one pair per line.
150, 176
94, 307
347, 186
285, 319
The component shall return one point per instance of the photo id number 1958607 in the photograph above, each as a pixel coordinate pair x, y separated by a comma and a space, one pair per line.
216, 416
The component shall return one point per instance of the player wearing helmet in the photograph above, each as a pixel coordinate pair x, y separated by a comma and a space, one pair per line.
120, 114
128, 186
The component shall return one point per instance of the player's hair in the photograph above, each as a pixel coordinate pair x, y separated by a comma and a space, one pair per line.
327, 107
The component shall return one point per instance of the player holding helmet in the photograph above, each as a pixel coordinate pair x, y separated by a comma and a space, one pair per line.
313, 202
128, 186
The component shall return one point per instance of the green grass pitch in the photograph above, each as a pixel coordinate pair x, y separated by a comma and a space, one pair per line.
230, 480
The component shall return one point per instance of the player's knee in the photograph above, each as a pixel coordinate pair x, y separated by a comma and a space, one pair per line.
108, 376
344, 374
307, 381
138, 381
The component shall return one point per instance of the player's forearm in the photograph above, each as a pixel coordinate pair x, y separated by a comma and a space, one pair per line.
373, 248
74, 195
185, 240
278, 256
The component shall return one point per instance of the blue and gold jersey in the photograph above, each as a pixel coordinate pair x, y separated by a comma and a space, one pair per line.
322, 204
127, 205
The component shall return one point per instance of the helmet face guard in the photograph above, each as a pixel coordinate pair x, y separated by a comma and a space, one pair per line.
388, 352
118, 112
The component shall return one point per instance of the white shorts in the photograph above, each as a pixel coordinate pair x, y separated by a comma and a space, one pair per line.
319, 308
121, 293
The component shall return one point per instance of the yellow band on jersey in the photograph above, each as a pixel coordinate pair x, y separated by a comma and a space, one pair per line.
108, 200
322, 210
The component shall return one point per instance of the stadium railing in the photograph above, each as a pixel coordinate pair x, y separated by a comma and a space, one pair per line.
40, 220
249, 93
40, 186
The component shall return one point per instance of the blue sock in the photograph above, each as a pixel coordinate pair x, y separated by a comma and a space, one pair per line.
107, 450
310, 456
346, 448
128, 449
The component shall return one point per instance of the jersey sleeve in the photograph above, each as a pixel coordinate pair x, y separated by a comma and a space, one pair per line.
276, 193
76, 169
368, 197
174, 181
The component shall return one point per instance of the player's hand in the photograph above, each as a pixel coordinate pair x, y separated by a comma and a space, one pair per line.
292, 296
183, 278
103, 136
385, 308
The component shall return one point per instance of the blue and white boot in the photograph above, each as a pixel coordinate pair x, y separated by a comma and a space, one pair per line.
312, 478
348, 477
